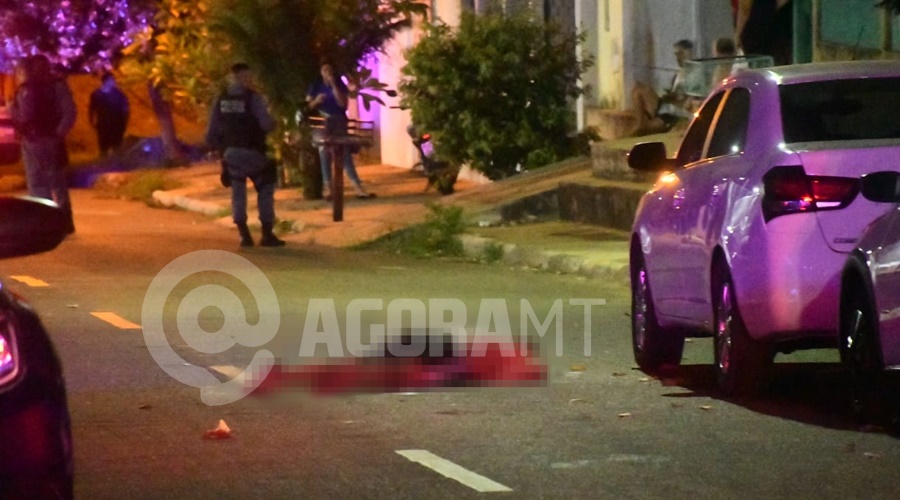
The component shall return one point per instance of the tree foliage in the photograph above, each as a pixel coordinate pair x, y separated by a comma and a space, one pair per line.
496, 93
285, 40
180, 56
77, 35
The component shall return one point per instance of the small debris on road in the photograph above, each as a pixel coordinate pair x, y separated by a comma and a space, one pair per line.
869, 454
706, 407
222, 431
145, 407
625, 415
576, 400
644, 379
72, 306
619, 374
578, 367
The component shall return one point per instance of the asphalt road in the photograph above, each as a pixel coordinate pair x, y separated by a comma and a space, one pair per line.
598, 428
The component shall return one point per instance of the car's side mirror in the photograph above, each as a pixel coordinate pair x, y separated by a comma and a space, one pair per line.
650, 157
29, 226
881, 186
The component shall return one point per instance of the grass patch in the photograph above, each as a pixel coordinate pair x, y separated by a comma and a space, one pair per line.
140, 185
493, 252
437, 236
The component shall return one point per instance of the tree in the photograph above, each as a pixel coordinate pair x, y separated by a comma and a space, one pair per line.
495, 93
77, 35
285, 40
182, 63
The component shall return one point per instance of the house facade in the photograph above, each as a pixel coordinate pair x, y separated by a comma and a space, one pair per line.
630, 41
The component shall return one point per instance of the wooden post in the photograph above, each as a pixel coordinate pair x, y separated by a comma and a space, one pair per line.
337, 181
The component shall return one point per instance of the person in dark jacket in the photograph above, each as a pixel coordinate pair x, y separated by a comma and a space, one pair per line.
108, 113
238, 125
43, 112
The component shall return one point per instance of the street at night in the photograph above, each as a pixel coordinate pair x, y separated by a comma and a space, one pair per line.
597, 428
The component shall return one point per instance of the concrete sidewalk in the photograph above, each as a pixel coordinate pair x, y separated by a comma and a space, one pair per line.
401, 201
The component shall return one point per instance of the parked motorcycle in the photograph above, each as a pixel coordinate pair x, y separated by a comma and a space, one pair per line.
441, 174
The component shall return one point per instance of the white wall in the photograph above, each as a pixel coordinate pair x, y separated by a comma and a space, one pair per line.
652, 26
396, 145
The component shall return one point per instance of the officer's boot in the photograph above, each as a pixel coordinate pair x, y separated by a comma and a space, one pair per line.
268, 237
244, 231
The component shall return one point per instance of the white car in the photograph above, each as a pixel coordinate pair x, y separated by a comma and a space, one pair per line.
745, 235
870, 304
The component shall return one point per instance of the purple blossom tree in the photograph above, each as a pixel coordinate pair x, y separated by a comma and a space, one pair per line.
77, 35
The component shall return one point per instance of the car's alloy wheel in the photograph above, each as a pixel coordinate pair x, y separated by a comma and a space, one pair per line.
652, 345
739, 360
859, 352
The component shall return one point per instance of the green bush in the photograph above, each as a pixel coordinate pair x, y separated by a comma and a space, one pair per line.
437, 236
496, 93
142, 183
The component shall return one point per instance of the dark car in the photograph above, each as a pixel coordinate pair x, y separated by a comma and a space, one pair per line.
35, 435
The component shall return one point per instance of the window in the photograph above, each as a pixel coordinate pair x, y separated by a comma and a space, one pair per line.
731, 127
839, 110
691, 149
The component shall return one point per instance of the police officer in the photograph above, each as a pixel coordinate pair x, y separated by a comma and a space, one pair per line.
238, 125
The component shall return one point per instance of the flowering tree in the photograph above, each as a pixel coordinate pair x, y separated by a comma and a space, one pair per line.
77, 35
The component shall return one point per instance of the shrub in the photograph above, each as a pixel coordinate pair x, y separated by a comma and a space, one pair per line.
496, 93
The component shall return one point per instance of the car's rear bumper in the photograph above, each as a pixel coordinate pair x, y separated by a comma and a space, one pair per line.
790, 288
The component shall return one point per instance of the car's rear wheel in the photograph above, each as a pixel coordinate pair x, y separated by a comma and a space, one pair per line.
859, 351
740, 361
653, 346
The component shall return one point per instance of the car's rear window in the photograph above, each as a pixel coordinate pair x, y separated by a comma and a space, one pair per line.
840, 110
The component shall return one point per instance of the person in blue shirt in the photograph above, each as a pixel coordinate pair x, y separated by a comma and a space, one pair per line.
329, 96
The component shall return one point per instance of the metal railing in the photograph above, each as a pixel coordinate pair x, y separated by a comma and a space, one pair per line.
701, 75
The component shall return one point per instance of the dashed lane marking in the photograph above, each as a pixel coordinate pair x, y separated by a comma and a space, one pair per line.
116, 320
450, 470
28, 280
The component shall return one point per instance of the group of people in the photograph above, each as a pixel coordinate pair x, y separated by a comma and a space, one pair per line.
43, 112
659, 113
238, 124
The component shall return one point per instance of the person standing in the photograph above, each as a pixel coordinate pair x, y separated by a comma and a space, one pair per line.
43, 112
109, 113
238, 125
329, 95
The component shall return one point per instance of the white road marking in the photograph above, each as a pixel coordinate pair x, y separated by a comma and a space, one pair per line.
450, 470
28, 280
116, 320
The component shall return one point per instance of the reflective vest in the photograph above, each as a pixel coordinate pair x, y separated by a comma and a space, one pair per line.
240, 128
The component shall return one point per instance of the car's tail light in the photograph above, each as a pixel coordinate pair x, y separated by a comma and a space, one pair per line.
789, 190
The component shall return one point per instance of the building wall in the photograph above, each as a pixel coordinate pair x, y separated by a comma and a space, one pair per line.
650, 27
395, 143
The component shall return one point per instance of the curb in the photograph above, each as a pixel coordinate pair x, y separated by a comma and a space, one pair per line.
479, 247
181, 199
